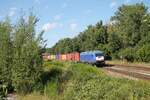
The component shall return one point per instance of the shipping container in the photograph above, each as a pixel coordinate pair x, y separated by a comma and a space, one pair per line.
68, 57
63, 57
58, 56
76, 56
46, 56
53, 57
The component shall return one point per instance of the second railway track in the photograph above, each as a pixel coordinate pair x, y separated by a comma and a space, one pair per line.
138, 72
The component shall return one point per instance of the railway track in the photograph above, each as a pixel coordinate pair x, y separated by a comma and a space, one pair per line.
132, 66
138, 72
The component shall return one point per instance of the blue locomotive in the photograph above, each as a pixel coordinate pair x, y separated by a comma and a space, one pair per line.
92, 57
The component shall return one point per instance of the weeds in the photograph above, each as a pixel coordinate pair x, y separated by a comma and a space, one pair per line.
77, 81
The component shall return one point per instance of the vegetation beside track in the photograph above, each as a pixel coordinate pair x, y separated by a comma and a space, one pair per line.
77, 81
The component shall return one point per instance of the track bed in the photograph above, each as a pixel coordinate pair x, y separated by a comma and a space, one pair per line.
137, 72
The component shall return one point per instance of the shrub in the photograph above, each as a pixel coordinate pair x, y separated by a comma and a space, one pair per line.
27, 60
3, 91
144, 53
107, 88
85, 82
5, 55
128, 54
50, 80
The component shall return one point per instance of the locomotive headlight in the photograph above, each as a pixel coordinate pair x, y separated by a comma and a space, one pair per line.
100, 58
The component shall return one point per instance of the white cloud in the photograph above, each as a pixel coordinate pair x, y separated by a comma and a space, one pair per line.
73, 26
12, 11
49, 26
113, 4
57, 17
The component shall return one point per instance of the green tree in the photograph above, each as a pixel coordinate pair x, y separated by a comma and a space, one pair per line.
143, 53
27, 61
128, 20
114, 42
5, 53
145, 27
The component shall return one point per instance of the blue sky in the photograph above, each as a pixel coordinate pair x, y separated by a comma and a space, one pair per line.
63, 18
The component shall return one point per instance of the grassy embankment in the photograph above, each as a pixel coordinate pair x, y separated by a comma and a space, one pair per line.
76, 81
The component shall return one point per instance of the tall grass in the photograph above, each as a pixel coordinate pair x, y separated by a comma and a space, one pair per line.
77, 81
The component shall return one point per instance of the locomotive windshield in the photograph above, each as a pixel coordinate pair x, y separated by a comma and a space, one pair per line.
99, 54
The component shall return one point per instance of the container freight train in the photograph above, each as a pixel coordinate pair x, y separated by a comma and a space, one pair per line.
91, 57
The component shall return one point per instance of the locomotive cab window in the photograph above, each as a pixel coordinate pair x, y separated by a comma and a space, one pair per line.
99, 55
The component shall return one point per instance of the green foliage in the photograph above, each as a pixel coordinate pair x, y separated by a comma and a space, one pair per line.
114, 42
5, 56
76, 81
5, 52
27, 62
144, 53
128, 20
52, 86
102, 87
129, 54
20, 55
3, 91
63, 46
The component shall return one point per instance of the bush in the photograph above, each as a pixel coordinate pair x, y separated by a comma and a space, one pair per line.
3, 91
129, 54
143, 53
93, 87
50, 80
27, 62
76, 81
